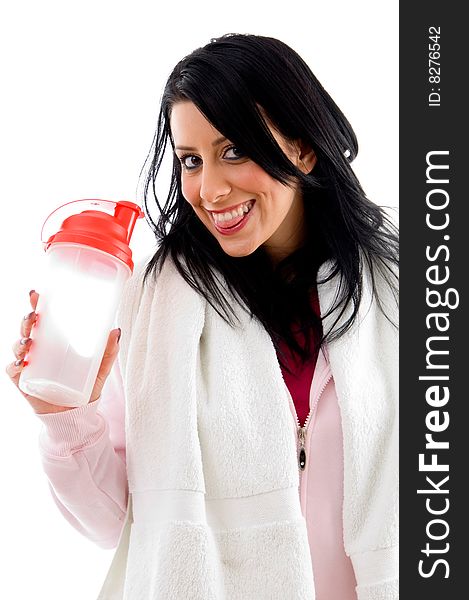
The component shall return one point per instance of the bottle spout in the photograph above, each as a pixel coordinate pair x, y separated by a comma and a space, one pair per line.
127, 213
103, 224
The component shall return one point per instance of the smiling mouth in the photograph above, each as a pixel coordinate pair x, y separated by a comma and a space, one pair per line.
232, 218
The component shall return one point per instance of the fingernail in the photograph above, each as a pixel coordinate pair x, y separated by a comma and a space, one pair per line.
31, 292
119, 336
27, 317
18, 362
24, 341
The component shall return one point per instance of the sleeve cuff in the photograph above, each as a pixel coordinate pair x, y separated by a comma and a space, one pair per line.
71, 430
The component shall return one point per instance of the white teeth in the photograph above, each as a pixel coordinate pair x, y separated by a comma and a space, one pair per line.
227, 216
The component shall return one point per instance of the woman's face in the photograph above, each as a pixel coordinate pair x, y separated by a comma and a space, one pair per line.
240, 204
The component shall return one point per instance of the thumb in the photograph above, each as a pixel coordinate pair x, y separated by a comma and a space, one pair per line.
110, 354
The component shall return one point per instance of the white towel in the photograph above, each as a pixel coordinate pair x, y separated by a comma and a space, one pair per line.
214, 510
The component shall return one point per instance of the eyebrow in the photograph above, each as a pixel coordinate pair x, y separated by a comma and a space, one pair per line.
214, 143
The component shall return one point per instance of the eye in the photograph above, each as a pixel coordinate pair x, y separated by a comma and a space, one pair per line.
233, 153
190, 161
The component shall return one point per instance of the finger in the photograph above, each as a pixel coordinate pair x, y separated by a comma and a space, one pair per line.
29, 319
27, 324
109, 356
33, 298
20, 347
110, 353
13, 370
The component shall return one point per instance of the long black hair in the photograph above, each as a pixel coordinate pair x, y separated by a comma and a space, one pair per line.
236, 81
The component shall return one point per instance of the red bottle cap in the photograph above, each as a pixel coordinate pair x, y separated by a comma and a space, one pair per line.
110, 233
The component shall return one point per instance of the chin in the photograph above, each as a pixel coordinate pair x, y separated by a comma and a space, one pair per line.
237, 252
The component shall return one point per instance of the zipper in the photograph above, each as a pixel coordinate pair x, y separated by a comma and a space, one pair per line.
303, 430
302, 451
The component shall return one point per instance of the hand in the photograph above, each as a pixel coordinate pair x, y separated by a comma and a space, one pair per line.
21, 347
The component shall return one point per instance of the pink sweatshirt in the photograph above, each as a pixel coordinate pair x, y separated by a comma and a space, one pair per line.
83, 454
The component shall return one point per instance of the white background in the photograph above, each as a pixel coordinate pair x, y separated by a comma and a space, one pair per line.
81, 83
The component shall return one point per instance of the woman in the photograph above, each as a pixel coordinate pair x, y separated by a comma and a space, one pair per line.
258, 354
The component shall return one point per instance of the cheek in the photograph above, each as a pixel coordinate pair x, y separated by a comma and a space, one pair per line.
253, 178
190, 191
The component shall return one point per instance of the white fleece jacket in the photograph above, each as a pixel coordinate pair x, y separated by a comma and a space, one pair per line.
214, 510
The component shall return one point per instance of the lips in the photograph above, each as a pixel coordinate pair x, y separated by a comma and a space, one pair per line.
229, 224
230, 217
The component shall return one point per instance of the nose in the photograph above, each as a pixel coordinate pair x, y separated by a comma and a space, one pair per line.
214, 184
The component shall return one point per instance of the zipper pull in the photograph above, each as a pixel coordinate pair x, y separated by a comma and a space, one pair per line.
302, 452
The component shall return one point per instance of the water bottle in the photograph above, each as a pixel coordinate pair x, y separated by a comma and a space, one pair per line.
88, 261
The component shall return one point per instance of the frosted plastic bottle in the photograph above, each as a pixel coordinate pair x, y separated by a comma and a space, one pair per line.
88, 263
